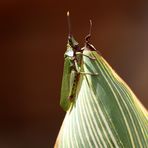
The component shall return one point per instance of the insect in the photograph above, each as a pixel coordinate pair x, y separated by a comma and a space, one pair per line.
73, 68
105, 111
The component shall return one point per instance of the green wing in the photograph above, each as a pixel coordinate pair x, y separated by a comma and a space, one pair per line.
68, 80
65, 89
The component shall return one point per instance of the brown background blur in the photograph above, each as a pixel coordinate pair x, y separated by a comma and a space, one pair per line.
33, 40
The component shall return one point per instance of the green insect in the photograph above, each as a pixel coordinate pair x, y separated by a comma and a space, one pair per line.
105, 113
73, 66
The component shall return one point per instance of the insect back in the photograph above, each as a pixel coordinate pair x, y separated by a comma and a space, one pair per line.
71, 74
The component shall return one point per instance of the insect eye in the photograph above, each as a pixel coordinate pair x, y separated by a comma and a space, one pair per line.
70, 42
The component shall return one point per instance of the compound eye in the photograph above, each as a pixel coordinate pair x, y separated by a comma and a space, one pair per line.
70, 42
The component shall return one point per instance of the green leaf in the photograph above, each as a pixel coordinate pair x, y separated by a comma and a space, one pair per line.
106, 112
103, 112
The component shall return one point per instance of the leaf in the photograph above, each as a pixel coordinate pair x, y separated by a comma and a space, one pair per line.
106, 112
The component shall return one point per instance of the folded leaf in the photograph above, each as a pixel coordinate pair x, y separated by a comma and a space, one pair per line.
106, 113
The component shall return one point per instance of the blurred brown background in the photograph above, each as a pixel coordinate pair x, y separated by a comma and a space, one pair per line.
33, 40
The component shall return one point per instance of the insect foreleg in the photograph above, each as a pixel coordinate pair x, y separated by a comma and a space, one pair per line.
76, 66
78, 70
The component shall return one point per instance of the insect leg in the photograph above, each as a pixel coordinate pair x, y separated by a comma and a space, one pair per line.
77, 69
92, 58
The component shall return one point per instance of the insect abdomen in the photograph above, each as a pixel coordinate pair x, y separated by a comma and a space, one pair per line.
73, 85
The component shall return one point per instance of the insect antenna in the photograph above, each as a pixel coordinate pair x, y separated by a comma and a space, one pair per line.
90, 21
87, 38
69, 24
73, 43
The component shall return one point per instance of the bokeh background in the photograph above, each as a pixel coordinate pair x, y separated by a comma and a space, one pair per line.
33, 38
